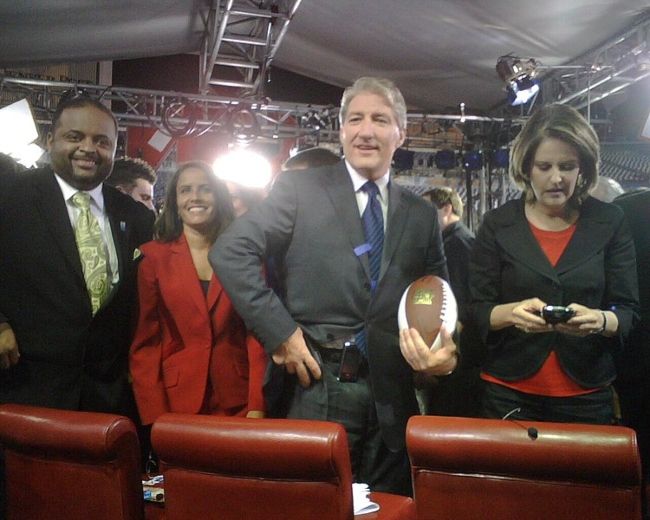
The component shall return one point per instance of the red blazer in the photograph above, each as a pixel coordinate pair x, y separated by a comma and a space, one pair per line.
178, 329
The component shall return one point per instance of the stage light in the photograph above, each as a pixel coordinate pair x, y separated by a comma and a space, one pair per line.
244, 167
501, 158
17, 131
243, 126
522, 90
27, 155
473, 160
518, 74
445, 159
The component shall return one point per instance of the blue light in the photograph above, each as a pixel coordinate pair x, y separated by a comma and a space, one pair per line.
501, 158
473, 160
445, 159
522, 90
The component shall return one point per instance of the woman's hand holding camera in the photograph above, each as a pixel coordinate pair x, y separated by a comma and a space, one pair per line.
588, 321
527, 316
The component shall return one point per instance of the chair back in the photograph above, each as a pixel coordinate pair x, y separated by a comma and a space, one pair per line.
232, 468
483, 469
67, 465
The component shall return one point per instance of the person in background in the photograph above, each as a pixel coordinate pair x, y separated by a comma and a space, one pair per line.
457, 240
9, 164
191, 352
555, 245
459, 394
606, 189
243, 198
310, 158
350, 241
136, 178
633, 381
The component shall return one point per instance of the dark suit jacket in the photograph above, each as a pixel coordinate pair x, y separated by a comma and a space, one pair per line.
69, 359
180, 333
458, 241
311, 222
597, 269
635, 363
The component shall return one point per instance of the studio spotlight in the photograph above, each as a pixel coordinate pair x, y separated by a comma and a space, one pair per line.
445, 159
519, 76
244, 167
473, 160
522, 90
501, 158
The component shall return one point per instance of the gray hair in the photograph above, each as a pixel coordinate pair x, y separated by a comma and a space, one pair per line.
382, 87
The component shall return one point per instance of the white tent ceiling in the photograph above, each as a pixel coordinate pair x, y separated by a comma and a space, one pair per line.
439, 52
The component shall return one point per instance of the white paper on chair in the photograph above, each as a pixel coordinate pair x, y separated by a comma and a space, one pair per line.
361, 500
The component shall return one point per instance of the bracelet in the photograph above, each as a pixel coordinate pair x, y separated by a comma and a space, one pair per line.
604, 327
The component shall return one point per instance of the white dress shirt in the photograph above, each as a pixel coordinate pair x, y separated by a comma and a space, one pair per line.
359, 180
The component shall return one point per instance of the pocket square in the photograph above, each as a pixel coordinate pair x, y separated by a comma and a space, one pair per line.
136, 253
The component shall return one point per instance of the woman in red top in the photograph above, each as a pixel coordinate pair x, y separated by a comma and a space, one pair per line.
191, 352
554, 246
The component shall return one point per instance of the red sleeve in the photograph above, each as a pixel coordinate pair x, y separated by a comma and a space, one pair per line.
145, 359
257, 363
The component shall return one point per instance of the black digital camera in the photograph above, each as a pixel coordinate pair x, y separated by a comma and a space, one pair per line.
557, 314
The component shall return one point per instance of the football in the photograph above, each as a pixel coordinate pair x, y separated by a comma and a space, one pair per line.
425, 305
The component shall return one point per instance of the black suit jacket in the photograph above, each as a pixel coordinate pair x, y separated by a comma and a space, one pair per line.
310, 222
597, 269
69, 359
458, 241
635, 363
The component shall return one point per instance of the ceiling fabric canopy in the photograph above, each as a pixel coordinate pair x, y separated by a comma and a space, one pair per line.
439, 53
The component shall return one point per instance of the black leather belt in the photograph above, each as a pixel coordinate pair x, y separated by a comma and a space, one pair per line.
330, 355
336, 344
331, 352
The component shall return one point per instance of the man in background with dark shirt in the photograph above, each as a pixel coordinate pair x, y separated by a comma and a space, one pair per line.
459, 393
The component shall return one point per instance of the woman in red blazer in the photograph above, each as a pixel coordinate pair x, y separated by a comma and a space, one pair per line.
191, 352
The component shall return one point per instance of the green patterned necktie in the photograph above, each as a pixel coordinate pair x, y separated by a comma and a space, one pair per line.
92, 251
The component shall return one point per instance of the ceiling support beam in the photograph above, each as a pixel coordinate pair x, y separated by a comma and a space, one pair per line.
240, 41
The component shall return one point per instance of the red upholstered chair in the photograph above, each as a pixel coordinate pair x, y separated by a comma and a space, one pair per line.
70, 465
499, 469
233, 468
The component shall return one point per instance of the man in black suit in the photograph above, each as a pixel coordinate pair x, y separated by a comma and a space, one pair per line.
56, 349
459, 394
633, 370
341, 285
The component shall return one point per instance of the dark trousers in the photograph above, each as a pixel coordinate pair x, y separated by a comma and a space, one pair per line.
353, 406
634, 397
594, 408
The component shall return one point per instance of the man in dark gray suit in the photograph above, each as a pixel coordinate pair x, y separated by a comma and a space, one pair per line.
347, 249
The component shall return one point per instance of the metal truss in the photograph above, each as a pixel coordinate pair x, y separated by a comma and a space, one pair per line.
183, 114
240, 41
190, 115
601, 72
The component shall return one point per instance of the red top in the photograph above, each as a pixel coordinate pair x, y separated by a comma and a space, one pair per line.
550, 379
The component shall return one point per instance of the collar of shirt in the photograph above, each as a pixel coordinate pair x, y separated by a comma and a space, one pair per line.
359, 180
97, 209
96, 194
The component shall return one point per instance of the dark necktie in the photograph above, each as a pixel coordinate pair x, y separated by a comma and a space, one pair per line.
373, 228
